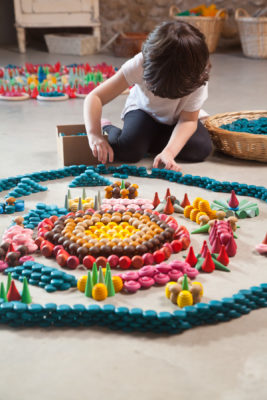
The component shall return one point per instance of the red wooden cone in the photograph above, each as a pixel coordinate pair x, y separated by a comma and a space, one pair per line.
185, 201
156, 200
233, 202
13, 293
231, 247
204, 249
213, 231
223, 256
216, 245
168, 194
168, 209
265, 239
191, 258
208, 264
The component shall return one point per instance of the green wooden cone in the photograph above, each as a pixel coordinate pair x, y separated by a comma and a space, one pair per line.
101, 278
89, 285
122, 184
3, 292
66, 205
203, 229
99, 198
185, 283
219, 266
26, 296
84, 194
94, 274
80, 204
69, 194
199, 263
109, 284
107, 270
9, 279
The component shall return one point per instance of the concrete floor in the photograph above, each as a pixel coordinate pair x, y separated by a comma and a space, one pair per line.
222, 362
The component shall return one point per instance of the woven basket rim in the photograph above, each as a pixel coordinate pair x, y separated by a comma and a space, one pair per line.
251, 19
209, 126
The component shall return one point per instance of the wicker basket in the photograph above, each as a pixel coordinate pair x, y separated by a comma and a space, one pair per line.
129, 44
238, 144
211, 27
253, 34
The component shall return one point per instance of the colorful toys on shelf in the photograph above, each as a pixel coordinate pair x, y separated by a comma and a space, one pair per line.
243, 209
121, 190
200, 212
47, 278
200, 11
11, 205
159, 274
184, 292
262, 247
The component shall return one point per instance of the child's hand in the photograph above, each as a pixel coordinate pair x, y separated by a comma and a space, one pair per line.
166, 158
101, 149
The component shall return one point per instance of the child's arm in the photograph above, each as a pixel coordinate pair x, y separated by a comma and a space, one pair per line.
92, 112
182, 132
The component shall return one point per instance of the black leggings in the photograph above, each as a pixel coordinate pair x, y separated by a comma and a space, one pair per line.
141, 135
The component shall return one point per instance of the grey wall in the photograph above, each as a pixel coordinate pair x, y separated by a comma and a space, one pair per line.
7, 30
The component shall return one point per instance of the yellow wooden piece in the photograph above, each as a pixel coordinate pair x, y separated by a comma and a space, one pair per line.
199, 284
199, 214
193, 214
187, 211
82, 283
184, 299
100, 292
212, 214
204, 206
196, 202
167, 288
117, 283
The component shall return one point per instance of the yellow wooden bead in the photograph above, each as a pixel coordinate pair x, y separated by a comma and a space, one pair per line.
187, 211
167, 288
117, 283
184, 299
204, 206
193, 214
100, 292
82, 283
196, 202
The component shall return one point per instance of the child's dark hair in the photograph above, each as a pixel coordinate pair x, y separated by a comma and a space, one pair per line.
176, 60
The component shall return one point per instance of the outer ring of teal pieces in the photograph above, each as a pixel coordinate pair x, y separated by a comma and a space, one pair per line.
17, 314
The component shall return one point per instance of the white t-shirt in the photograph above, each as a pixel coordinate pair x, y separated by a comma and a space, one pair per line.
164, 110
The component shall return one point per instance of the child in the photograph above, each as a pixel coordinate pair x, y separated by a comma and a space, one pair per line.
161, 112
